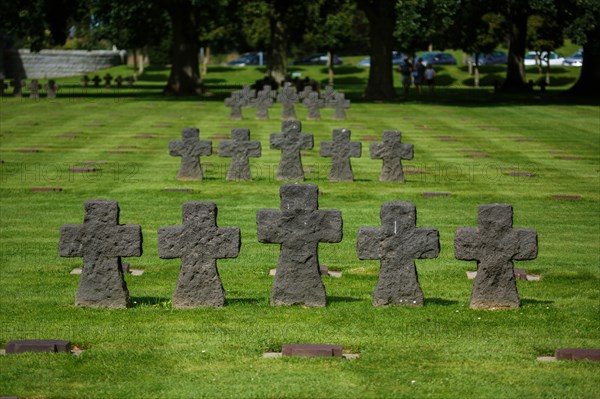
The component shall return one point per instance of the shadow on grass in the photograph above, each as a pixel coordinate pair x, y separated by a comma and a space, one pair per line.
246, 301
534, 302
439, 302
343, 299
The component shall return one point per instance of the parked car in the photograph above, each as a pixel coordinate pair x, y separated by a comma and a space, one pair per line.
397, 59
252, 58
493, 58
555, 58
575, 60
317, 59
437, 58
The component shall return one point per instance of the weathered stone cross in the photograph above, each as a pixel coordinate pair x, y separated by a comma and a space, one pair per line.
314, 105
341, 149
288, 97
339, 104
397, 243
298, 226
263, 101
290, 142
101, 241
199, 243
239, 148
190, 148
236, 102
392, 151
494, 244
34, 90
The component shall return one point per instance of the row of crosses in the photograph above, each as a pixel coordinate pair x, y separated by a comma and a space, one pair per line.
291, 141
288, 97
298, 226
34, 87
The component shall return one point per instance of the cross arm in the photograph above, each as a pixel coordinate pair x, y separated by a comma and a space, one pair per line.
307, 141
229, 242
205, 147
226, 148
268, 226
376, 150
355, 149
254, 149
330, 225
466, 243
428, 243
169, 242
276, 141
368, 243
407, 151
128, 240
527, 244
175, 148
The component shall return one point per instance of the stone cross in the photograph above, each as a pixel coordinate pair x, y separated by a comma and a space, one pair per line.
96, 81
51, 89
236, 102
190, 148
3, 86
130, 81
119, 81
34, 89
263, 101
339, 104
298, 226
392, 151
239, 148
17, 85
288, 97
329, 94
101, 241
494, 243
84, 81
314, 105
290, 142
107, 79
199, 243
397, 243
305, 92
340, 150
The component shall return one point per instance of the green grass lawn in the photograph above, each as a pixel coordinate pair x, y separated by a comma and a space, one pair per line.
443, 349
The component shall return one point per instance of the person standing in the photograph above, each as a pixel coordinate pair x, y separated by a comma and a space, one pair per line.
430, 77
405, 72
419, 75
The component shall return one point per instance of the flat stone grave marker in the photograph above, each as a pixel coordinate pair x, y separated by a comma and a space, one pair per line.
27, 150
521, 174
118, 152
569, 158
290, 142
239, 148
38, 345
219, 136
431, 194
311, 350
83, 170
51, 89
34, 90
125, 266
163, 124
369, 138
45, 189
128, 146
190, 148
566, 197
288, 97
199, 243
263, 101
577, 354
145, 136
446, 138
101, 241
314, 105
397, 243
323, 271
178, 190
340, 149
68, 135
494, 244
298, 226
392, 151
94, 124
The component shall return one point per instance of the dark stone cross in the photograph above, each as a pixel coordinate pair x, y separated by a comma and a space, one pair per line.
298, 226
51, 89
107, 79
119, 81
34, 90
305, 92
190, 148
290, 142
328, 95
199, 243
341, 149
314, 105
236, 102
288, 97
392, 151
263, 101
84, 81
130, 80
3, 86
397, 243
96, 80
101, 241
494, 244
239, 148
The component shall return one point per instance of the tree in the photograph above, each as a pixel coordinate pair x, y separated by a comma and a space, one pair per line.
543, 36
585, 30
382, 18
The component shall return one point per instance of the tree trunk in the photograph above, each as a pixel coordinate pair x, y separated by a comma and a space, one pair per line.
205, 61
382, 18
330, 67
588, 83
184, 79
515, 71
277, 63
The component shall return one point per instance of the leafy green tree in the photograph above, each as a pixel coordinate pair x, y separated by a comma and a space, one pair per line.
544, 35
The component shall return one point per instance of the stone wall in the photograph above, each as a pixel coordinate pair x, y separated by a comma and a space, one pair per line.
57, 63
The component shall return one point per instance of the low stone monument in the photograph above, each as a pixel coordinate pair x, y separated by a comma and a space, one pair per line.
340, 149
96, 80
397, 243
119, 81
314, 105
263, 101
494, 243
288, 97
51, 88
328, 95
392, 151
339, 104
101, 241
298, 226
290, 142
239, 148
199, 243
190, 148
235, 101
107, 80
130, 81
85, 81
34, 89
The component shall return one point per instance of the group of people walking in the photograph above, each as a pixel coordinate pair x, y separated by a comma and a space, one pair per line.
419, 74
